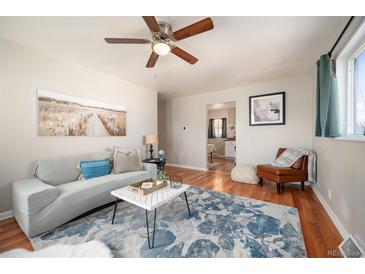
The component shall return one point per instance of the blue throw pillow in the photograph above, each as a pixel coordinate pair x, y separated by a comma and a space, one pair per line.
95, 168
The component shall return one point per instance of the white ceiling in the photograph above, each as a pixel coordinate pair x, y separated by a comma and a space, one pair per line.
239, 50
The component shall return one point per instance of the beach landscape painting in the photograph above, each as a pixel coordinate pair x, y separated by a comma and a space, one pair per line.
63, 115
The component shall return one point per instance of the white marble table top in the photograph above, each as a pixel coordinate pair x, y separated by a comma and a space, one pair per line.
152, 200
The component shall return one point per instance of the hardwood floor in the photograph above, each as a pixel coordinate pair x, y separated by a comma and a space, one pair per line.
320, 234
11, 236
221, 164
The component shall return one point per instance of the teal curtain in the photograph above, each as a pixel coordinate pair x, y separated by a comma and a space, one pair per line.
327, 119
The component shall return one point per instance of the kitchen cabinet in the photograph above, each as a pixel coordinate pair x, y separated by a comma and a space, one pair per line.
230, 149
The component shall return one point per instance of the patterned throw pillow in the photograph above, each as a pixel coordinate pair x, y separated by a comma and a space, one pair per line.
95, 168
126, 162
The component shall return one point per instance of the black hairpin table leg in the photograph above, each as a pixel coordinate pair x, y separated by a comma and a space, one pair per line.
148, 230
115, 209
187, 203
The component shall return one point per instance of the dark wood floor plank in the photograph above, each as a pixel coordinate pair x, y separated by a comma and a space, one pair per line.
6, 221
16, 240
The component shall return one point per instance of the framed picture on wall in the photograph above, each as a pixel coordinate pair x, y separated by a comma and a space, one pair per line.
267, 109
63, 115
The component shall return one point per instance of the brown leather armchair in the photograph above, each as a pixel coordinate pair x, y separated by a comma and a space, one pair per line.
298, 172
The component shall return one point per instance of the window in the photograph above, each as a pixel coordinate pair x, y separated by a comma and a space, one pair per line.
359, 94
350, 72
218, 128
356, 95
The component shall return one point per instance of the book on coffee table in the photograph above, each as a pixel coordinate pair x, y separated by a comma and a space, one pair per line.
147, 185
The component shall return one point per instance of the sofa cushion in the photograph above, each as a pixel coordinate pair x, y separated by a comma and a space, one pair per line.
87, 190
61, 170
279, 170
150, 168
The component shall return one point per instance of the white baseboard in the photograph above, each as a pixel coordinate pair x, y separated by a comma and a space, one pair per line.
6, 214
340, 227
188, 167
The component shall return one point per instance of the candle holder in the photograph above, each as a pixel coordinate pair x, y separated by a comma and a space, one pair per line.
175, 181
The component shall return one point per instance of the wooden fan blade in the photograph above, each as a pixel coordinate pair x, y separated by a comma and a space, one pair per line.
194, 29
152, 60
126, 41
184, 55
151, 23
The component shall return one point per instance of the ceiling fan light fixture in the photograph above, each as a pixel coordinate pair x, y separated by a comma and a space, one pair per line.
162, 35
161, 48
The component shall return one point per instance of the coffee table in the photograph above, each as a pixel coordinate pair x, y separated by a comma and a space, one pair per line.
149, 202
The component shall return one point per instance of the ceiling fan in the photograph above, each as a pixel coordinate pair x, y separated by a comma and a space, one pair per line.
162, 35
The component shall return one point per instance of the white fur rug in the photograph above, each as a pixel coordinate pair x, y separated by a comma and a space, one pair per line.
92, 249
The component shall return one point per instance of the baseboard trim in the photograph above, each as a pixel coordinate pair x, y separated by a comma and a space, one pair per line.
6, 214
340, 227
188, 167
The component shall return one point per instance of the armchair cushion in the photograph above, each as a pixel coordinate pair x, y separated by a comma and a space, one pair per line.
279, 170
32, 195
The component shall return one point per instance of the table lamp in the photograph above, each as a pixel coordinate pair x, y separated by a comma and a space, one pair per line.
151, 140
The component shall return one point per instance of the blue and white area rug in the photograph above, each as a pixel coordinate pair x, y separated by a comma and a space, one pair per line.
221, 225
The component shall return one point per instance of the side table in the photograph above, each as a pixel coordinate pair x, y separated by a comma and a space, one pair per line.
160, 162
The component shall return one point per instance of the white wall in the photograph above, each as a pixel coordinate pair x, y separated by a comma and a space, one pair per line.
341, 170
1, 115
23, 72
162, 121
254, 144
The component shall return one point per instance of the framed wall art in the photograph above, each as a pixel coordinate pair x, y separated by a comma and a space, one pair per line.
63, 115
267, 109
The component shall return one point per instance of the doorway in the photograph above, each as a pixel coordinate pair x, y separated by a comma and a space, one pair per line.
221, 137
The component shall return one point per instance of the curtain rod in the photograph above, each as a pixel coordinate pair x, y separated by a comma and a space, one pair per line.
339, 37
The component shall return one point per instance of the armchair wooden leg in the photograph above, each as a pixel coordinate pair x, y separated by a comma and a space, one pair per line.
302, 186
282, 187
261, 182
278, 188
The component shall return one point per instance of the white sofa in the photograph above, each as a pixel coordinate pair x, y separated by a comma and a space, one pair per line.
55, 195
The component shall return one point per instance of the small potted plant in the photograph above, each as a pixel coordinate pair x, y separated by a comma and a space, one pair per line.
161, 177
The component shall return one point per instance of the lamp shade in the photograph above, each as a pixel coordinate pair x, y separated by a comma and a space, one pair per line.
151, 139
